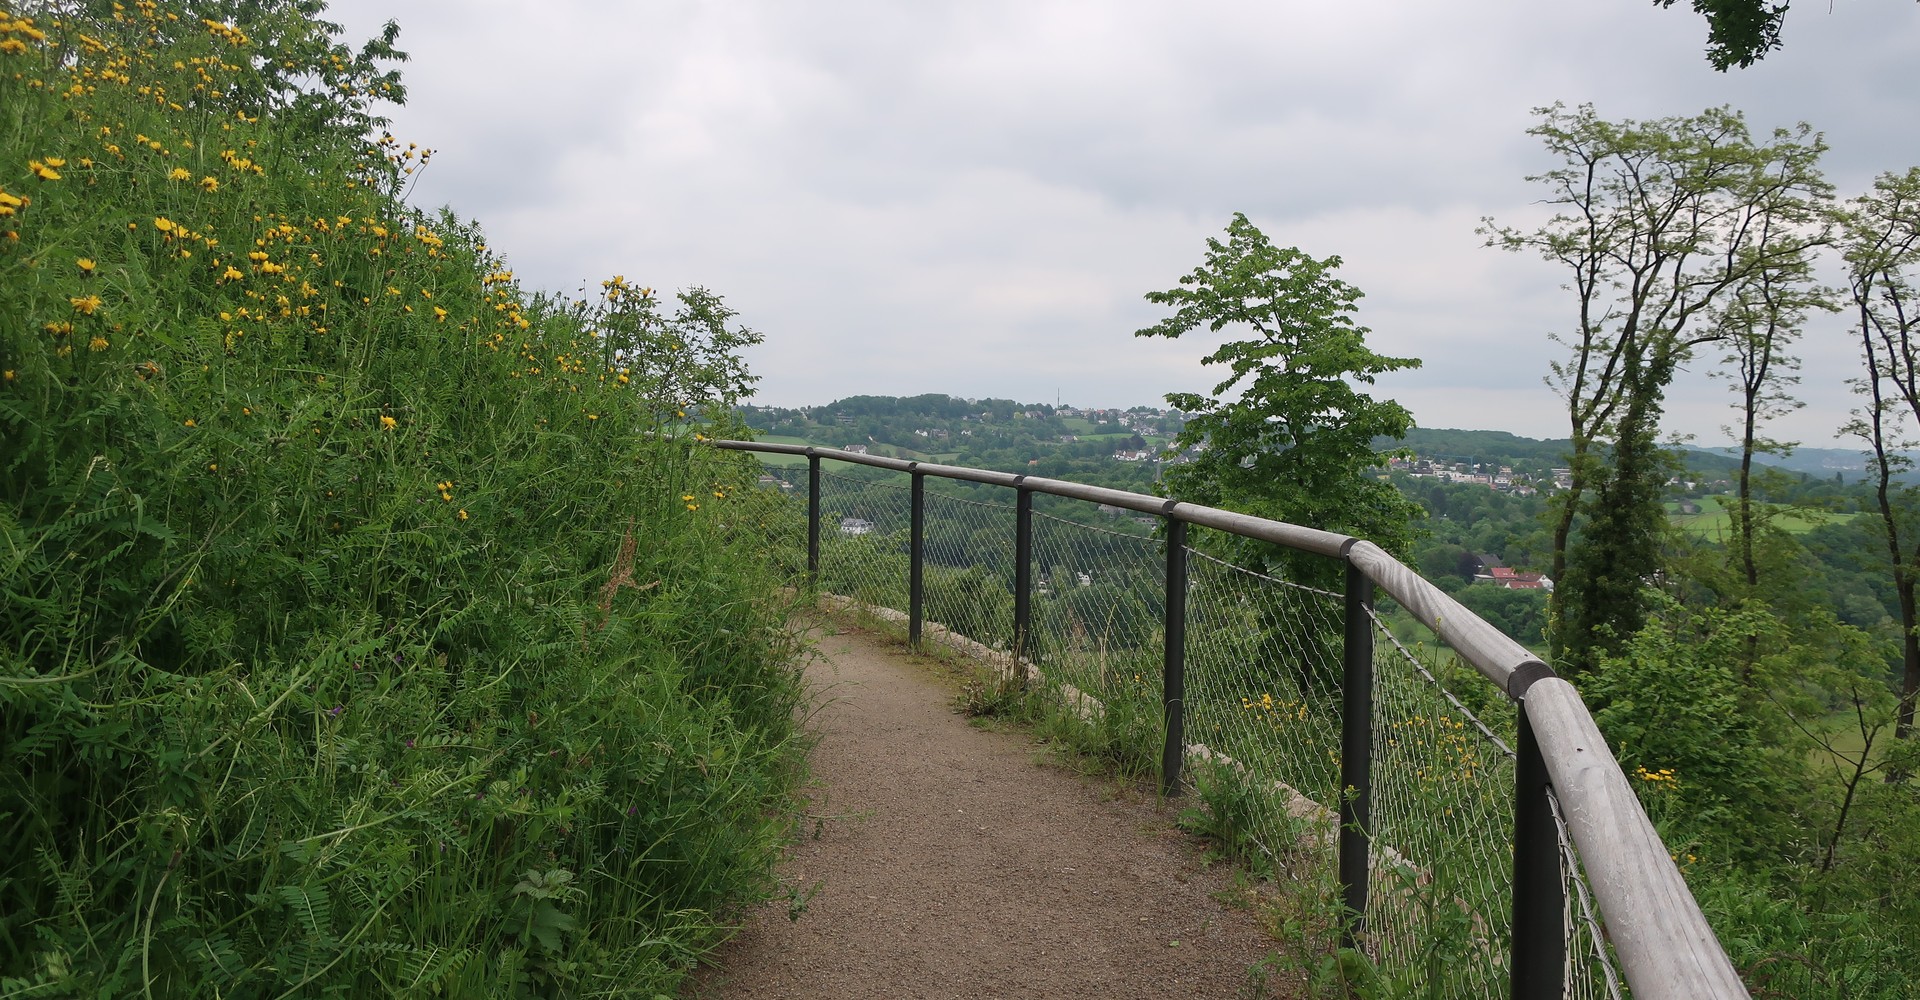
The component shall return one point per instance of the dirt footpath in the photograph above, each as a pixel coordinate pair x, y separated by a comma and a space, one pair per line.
952, 862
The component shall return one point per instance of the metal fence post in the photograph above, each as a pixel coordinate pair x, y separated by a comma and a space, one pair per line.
1022, 582
813, 517
1173, 679
916, 580
1539, 897
1356, 753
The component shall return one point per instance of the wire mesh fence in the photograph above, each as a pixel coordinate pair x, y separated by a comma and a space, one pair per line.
1264, 679
1263, 700
969, 567
864, 539
1442, 871
1100, 602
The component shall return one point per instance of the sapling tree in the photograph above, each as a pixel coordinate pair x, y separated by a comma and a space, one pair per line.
1286, 435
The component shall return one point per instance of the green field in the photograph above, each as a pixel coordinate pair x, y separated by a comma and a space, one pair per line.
1715, 518
782, 461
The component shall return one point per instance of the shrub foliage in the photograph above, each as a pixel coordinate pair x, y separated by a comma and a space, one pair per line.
368, 624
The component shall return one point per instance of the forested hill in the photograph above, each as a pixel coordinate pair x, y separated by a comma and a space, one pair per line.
1535, 455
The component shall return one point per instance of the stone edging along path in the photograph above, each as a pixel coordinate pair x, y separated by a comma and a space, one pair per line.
953, 861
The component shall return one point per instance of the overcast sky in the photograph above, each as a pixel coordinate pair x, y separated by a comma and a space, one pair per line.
972, 197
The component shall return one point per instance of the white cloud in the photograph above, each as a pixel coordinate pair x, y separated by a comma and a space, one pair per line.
971, 197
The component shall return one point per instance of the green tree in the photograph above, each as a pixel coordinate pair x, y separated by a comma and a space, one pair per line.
1658, 223
1881, 246
1285, 436
1739, 32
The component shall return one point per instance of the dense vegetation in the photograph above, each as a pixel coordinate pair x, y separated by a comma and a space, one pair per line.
368, 625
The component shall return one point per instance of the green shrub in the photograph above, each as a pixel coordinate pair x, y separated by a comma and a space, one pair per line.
368, 625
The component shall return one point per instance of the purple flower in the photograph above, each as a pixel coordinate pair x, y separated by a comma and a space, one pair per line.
336, 710
409, 744
632, 809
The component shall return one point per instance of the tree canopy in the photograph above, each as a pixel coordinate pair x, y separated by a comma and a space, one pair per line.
1286, 435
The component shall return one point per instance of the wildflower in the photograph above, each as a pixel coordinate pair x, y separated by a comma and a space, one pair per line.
85, 304
209, 185
213, 467
163, 224
8, 376
45, 169
693, 506
439, 314
97, 344
188, 423
686, 496
232, 274
388, 423
179, 174
85, 264
463, 513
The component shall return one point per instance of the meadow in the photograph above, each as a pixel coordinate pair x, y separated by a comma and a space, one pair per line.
1714, 519
369, 623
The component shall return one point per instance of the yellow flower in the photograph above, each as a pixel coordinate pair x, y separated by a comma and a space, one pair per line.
179, 174
463, 513
388, 423
98, 343
163, 224
686, 496
85, 305
693, 506
209, 184
189, 423
232, 274
45, 170
85, 264
9, 375
439, 314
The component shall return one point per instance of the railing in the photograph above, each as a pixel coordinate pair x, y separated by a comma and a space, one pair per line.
1499, 832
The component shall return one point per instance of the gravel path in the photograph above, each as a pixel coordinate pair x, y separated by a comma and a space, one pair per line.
953, 862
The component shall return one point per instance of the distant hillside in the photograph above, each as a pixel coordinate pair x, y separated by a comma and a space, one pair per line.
1531, 454
1850, 462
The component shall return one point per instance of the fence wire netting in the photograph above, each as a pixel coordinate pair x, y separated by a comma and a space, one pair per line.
1264, 677
864, 539
968, 569
1263, 705
1442, 852
1098, 611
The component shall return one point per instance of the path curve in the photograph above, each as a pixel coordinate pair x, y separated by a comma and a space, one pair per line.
952, 862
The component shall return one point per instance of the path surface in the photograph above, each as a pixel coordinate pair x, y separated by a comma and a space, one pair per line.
954, 862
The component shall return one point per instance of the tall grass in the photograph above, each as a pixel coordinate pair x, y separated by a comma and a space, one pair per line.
368, 624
